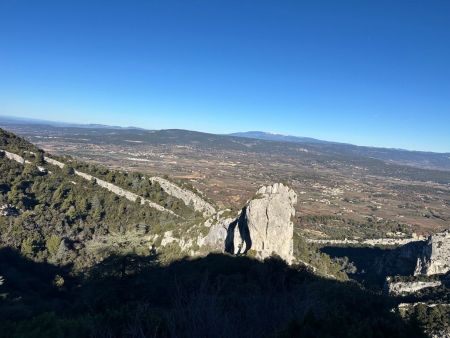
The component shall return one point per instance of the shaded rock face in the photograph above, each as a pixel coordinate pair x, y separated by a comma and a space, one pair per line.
264, 225
435, 256
374, 264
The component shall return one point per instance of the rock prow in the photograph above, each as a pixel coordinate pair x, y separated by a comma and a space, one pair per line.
265, 224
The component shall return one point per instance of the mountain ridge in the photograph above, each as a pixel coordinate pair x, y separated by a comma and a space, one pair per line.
259, 135
320, 149
262, 135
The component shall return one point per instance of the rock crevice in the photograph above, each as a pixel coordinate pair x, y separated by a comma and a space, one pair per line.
264, 226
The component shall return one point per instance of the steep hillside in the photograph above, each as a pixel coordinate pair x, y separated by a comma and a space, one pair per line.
65, 211
52, 213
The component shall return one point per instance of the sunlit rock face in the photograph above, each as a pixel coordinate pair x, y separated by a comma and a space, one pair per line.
188, 197
435, 256
404, 288
217, 235
265, 226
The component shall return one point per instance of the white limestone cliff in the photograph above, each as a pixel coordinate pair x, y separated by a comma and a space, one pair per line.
265, 226
188, 197
435, 256
109, 186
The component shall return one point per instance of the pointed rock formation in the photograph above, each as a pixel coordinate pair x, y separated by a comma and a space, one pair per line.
264, 225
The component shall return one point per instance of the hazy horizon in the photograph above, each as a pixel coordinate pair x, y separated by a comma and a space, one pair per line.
56, 123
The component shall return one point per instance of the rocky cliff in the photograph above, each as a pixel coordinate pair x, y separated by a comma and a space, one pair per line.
264, 226
111, 187
435, 256
218, 228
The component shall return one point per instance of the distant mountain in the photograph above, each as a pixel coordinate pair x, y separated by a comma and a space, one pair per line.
7, 120
255, 141
261, 135
422, 159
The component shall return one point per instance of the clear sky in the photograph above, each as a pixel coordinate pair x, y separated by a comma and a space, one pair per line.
365, 72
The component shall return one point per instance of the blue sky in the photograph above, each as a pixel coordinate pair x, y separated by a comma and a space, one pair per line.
365, 72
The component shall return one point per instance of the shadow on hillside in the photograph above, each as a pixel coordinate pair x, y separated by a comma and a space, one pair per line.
374, 264
29, 286
214, 296
244, 232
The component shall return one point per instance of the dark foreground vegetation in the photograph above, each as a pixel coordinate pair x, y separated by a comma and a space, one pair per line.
214, 296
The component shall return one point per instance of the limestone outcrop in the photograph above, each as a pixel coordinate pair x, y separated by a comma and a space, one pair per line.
109, 186
218, 229
188, 197
113, 188
370, 242
404, 288
8, 210
435, 256
264, 225
14, 157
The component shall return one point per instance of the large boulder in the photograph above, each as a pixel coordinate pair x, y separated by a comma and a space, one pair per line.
435, 256
216, 237
265, 224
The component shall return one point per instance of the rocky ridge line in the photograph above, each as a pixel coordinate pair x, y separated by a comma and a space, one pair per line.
114, 188
188, 197
370, 242
109, 186
19, 159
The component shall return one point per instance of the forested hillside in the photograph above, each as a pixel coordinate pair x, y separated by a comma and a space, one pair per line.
52, 214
